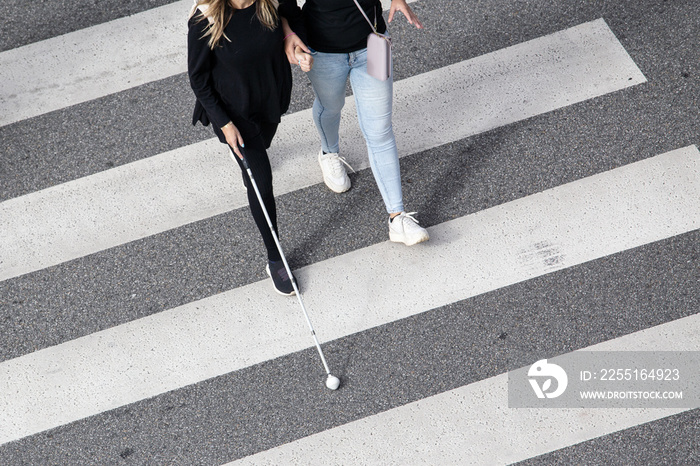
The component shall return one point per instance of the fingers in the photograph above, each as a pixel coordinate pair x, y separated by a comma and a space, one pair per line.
401, 6
416, 21
234, 139
308, 64
299, 43
236, 150
236, 146
289, 50
291, 44
394, 7
304, 60
298, 53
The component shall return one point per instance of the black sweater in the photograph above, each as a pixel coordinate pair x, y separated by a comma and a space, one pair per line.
247, 80
333, 26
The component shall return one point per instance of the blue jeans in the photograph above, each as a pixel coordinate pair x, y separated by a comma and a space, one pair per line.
373, 99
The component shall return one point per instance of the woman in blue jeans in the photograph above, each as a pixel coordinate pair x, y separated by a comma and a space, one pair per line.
336, 34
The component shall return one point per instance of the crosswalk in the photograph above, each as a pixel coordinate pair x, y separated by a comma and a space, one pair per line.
457, 425
138, 327
188, 344
68, 221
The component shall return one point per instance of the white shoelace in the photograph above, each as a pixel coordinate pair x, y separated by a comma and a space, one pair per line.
335, 165
409, 215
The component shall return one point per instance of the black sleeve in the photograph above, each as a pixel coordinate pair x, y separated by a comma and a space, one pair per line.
289, 10
199, 62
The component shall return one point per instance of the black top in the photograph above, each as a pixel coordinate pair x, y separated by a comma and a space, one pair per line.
334, 26
246, 80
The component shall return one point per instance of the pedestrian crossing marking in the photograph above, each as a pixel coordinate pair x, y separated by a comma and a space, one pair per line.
473, 424
199, 181
630, 206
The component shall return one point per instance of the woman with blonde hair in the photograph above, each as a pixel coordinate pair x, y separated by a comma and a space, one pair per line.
240, 75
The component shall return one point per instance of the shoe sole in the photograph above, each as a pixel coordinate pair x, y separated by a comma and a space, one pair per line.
332, 187
267, 269
396, 238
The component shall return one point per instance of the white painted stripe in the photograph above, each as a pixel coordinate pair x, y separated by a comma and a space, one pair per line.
94, 62
166, 191
473, 424
578, 222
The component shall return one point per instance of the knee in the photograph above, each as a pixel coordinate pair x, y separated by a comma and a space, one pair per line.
329, 107
380, 137
265, 187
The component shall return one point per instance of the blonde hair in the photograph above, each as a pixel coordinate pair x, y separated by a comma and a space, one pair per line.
215, 12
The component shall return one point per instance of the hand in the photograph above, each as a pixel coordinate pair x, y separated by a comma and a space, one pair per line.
305, 60
402, 6
291, 42
233, 138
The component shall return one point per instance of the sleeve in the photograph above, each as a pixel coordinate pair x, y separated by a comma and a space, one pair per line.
291, 11
199, 60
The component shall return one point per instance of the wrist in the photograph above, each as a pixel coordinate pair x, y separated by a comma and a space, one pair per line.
289, 35
230, 123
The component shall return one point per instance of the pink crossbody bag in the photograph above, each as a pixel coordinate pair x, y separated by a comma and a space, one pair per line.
378, 51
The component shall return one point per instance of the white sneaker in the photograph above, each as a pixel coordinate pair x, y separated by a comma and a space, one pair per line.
405, 229
334, 174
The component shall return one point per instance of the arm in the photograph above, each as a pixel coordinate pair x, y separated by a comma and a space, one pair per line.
290, 11
297, 52
199, 57
294, 31
402, 6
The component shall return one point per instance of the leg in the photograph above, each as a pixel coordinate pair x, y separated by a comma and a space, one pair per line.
262, 172
328, 77
373, 99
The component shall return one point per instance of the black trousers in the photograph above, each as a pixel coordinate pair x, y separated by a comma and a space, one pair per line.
255, 152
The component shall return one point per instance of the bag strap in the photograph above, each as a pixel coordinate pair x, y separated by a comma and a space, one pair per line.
374, 28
